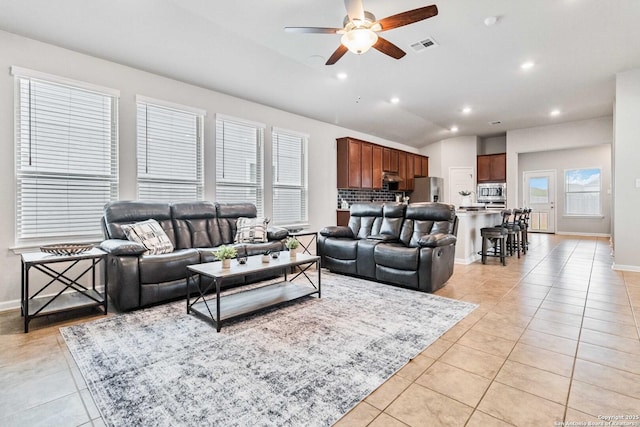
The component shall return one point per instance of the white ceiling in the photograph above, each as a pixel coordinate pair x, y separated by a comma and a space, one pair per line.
240, 48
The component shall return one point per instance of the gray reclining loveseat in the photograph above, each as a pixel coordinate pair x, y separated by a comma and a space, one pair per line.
411, 246
195, 230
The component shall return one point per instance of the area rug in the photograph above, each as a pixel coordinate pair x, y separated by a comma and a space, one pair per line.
306, 363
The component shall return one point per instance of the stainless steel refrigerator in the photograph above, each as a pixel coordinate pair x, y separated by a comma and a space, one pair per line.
428, 189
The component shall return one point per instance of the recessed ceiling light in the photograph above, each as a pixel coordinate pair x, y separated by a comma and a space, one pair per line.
395, 100
342, 76
466, 110
454, 129
490, 20
527, 65
554, 113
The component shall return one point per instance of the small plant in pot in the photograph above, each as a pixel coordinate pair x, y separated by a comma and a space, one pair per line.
266, 256
292, 244
225, 254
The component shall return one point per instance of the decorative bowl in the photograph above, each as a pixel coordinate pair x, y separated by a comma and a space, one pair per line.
66, 249
275, 255
242, 260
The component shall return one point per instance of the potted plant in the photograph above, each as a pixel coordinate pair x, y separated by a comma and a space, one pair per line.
265, 256
225, 254
292, 244
466, 198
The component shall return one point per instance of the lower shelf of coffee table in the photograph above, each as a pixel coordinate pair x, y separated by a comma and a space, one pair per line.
252, 300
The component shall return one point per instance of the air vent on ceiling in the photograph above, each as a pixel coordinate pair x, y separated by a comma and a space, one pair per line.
424, 44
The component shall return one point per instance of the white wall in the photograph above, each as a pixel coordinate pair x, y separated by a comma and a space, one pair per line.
583, 133
627, 171
27, 53
493, 145
453, 152
573, 158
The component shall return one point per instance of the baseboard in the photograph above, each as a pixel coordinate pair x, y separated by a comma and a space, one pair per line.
579, 233
466, 261
14, 304
620, 267
9, 305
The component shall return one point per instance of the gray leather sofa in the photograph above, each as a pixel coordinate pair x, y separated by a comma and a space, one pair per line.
411, 246
195, 229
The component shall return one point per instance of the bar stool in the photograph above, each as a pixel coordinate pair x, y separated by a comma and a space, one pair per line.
526, 213
497, 237
514, 233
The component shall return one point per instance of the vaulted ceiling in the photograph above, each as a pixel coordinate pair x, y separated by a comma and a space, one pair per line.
240, 48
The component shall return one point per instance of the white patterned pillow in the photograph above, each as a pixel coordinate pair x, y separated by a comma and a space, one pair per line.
251, 230
151, 235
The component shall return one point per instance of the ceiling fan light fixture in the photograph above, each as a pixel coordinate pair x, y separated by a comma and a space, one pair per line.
359, 40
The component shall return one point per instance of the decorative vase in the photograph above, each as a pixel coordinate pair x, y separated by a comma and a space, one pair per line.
226, 263
292, 253
266, 258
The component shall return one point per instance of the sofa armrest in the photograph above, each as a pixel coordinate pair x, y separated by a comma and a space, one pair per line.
337, 231
122, 247
277, 233
387, 238
436, 240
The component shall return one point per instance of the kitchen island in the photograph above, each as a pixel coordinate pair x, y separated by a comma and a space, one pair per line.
469, 240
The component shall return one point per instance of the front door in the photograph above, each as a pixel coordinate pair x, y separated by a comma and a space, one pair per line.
540, 196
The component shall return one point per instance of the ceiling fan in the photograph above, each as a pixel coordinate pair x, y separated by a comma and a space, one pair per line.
360, 30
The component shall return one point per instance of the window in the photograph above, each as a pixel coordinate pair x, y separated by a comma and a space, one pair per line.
582, 192
169, 151
66, 157
289, 177
239, 162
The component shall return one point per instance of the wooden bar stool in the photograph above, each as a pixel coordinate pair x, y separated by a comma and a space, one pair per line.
497, 237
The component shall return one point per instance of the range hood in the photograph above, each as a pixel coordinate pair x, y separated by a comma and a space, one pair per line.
391, 177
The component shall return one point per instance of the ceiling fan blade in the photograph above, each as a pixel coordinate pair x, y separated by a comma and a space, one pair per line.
408, 17
316, 30
355, 10
339, 53
389, 48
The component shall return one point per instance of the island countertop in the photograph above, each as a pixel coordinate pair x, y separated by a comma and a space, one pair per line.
469, 240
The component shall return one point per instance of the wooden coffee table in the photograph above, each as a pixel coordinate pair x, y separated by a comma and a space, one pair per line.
219, 308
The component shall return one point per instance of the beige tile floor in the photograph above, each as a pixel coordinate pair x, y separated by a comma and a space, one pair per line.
555, 338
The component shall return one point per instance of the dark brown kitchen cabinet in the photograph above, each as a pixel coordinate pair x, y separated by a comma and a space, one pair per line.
492, 168
424, 166
390, 160
377, 166
411, 171
342, 217
366, 165
349, 163
402, 171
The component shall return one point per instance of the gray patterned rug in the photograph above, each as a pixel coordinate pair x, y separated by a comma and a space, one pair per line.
303, 364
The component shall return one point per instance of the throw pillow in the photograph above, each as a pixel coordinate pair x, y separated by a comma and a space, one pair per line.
251, 230
150, 234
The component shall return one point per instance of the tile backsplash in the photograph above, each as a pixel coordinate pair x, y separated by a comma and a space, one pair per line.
364, 195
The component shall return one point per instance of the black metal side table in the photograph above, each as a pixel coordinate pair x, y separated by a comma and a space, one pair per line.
306, 248
40, 304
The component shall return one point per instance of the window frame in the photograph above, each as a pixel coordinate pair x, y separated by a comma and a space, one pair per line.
108, 180
304, 178
567, 193
199, 115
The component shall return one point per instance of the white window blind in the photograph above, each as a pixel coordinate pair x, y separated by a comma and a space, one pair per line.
289, 177
66, 158
169, 152
239, 162
582, 192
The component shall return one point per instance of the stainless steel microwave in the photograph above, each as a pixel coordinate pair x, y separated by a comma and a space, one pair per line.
492, 192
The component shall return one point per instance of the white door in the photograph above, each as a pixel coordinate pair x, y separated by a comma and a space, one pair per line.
460, 179
540, 196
